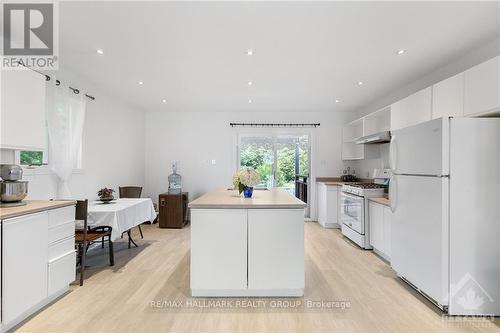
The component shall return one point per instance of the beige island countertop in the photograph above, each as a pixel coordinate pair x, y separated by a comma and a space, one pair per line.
33, 206
230, 199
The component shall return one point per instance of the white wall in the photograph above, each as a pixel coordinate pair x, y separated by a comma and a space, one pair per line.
456, 66
113, 153
195, 138
364, 168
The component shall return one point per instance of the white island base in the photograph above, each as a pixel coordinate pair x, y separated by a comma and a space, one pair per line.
247, 247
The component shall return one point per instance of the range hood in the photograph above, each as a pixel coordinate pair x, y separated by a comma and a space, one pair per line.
382, 137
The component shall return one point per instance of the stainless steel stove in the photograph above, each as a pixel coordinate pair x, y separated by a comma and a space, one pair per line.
364, 189
354, 206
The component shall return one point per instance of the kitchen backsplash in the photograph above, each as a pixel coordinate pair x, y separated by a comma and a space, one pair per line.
364, 168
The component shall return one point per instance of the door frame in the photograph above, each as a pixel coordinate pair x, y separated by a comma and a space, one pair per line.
273, 132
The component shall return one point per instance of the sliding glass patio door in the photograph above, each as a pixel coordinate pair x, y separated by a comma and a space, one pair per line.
279, 159
258, 152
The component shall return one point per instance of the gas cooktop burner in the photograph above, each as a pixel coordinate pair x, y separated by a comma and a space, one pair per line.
367, 185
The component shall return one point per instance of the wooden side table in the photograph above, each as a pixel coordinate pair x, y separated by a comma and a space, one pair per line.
173, 210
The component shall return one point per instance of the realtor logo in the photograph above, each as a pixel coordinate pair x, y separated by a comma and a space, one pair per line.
29, 35
469, 296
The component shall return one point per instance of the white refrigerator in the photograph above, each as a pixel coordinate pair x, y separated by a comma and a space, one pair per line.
445, 198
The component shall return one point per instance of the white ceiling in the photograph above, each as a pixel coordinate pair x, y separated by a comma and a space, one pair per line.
306, 54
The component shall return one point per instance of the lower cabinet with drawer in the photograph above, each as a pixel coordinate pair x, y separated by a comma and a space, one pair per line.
38, 262
61, 272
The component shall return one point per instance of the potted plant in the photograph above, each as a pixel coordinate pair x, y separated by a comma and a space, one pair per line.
105, 194
245, 179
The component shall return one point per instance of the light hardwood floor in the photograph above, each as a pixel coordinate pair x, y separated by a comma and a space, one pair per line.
118, 299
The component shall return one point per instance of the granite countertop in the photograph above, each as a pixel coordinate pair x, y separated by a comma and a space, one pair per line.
230, 199
33, 206
383, 201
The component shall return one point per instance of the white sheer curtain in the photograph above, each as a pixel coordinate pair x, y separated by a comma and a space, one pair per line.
65, 121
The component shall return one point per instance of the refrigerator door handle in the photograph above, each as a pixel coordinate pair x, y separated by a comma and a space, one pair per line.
393, 153
393, 193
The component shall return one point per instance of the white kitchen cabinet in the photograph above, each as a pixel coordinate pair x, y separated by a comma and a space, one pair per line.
376, 214
61, 272
219, 249
377, 122
328, 205
22, 120
61, 249
352, 131
387, 232
352, 151
38, 261
448, 97
482, 88
412, 110
380, 229
275, 249
24, 264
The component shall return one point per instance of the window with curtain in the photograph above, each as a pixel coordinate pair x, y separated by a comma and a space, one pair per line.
65, 121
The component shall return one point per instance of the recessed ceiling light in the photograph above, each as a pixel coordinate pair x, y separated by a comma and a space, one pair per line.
360, 83
249, 52
337, 101
250, 101
140, 83
100, 51
164, 101
400, 52
250, 83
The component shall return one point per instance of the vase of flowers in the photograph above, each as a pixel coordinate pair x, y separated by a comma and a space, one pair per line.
245, 179
105, 194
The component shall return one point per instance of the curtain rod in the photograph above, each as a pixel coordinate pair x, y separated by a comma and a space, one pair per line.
272, 125
48, 78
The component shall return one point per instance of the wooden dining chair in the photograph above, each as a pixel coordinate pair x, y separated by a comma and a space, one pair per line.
86, 236
131, 192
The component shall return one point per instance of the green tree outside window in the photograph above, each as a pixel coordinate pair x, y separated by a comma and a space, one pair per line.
31, 157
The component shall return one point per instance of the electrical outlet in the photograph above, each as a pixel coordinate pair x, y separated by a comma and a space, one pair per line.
213, 162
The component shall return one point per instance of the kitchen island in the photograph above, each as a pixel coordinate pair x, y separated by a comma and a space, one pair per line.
247, 247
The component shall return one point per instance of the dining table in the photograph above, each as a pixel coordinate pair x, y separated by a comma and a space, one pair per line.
121, 214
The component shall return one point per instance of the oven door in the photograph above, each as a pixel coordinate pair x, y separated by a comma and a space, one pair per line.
353, 212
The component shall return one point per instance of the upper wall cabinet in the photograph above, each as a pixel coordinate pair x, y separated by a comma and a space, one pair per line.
482, 88
412, 110
352, 131
377, 122
448, 97
475, 92
352, 151
22, 120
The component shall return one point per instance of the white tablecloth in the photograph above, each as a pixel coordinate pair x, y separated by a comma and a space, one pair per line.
121, 214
